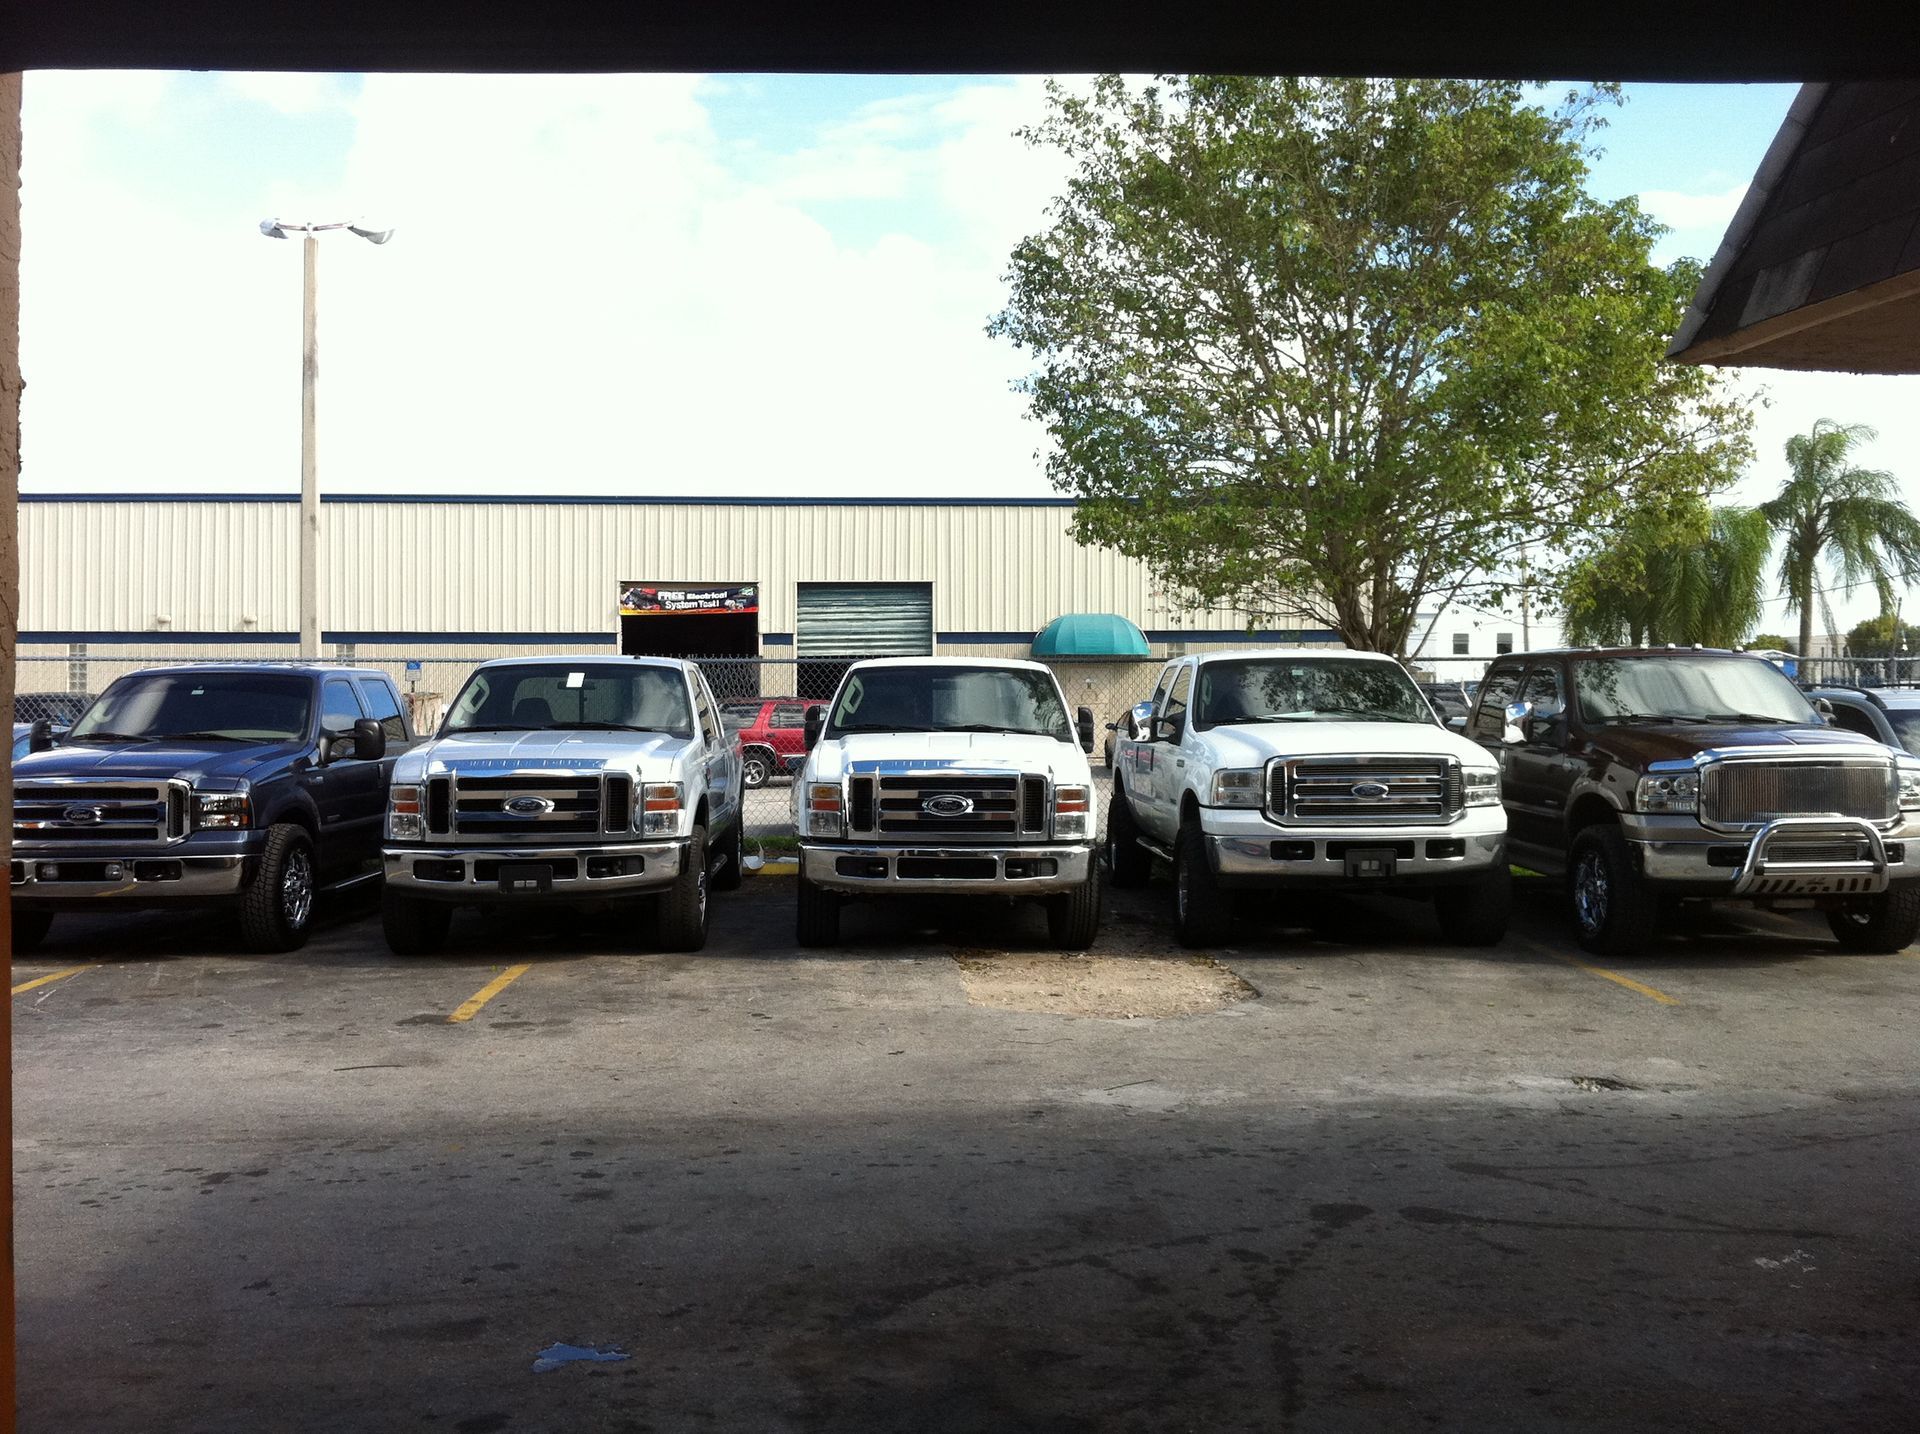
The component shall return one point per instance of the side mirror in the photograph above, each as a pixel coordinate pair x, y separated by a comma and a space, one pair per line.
814, 721
1456, 724
1084, 721
1823, 707
40, 736
369, 740
1111, 726
1515, 714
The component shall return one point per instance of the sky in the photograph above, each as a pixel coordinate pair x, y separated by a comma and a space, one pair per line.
651, 284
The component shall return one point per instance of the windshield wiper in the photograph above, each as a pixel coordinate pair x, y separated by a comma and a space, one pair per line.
1745, 717
1270, 717
600, 727
878, 727
98, 736
992, 727
493, 727
1655, 717
212, 737
1371, 714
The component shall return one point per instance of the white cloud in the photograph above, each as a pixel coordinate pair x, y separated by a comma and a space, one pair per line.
583, 295
290, 92
1686, 212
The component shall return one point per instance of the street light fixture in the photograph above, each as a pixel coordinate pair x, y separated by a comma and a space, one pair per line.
309, 375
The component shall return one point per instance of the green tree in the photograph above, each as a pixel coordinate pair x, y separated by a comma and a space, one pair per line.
1700, 578
1343, 348
1849, 519
1883, 636
1771, 642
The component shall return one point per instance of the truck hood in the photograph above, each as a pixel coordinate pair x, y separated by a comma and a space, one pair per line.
209, 764
1251, 744
1643, 742
924, 750
629, 752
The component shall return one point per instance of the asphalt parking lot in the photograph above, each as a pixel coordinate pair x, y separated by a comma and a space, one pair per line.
1369, 1183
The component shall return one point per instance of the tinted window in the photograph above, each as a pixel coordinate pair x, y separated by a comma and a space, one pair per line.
950, 699
1307, 689
790, 714
384, 707
1542, 689
740, 714
703, 705
339, 709
1177, 699
1501, 687
1160, 687
1906, 727
542, 696
1742, 689
251, 706
1846, 715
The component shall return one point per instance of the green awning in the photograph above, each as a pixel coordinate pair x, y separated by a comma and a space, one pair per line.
1091, 634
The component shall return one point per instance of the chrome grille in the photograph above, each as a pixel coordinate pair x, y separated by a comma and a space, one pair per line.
1321, 789
1736, 793
125, 811
993, 805
1819, 851
481, 806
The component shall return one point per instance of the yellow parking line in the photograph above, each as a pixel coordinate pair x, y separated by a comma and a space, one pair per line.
47, 980
487, 992
784, 869
1651, 993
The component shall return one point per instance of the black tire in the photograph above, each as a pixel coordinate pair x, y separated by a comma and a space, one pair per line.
1615, 911
757, 767
1131, 863
1073, 917
1880, 925
816, 915
277, 907
1202, 910
734, 849
680, 924
29, 928
1475, 913
412, 925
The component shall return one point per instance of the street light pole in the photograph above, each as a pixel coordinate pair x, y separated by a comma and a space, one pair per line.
309, 413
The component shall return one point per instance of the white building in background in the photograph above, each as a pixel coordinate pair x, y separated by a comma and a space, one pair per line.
1458, 641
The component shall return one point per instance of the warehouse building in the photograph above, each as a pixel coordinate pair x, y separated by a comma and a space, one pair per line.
444, 582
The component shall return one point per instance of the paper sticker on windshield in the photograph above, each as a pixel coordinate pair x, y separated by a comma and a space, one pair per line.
576, 679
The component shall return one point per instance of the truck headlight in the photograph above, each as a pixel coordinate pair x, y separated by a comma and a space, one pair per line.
1070, 809
1909, 788
1679, 793
824, 815
221, 811
404, 813
660, 808
1480, 786
1237, 787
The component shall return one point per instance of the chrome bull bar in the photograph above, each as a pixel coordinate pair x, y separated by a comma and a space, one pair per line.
1763, 875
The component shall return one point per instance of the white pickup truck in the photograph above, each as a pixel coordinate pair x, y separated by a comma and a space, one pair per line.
576, 781
1318, 770
948, 776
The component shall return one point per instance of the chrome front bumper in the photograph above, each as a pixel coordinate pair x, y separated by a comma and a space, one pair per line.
660, 863
141, 879
1248, 850
1759, 871
957, 869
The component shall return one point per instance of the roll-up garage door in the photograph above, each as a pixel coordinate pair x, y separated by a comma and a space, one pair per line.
864, 620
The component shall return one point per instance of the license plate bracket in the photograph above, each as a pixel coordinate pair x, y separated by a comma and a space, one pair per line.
1371, 863
526, 878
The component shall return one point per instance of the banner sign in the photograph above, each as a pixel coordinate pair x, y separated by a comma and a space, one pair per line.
644, 600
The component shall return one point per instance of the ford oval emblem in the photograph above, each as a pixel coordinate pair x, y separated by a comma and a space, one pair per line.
947, 805
83, 816
529, 806
1370, 791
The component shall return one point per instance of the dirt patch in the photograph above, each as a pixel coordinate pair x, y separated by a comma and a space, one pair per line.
1115, 988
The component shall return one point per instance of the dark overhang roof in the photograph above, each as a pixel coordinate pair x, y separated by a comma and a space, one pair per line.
1772, 40
1820, 268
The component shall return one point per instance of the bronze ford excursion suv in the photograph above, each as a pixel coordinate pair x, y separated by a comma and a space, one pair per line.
1686, 773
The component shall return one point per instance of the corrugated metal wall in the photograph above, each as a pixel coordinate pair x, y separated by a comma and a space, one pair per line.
119, 565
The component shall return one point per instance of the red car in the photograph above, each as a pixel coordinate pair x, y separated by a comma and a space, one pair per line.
772, 732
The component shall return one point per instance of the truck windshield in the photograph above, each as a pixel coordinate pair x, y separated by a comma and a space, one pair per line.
950, 699
1906, 726
535, 697
1687, 687
235, 706
1306, 689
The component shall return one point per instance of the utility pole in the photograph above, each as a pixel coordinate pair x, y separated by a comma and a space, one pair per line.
309, 454
1526, 604
309, 415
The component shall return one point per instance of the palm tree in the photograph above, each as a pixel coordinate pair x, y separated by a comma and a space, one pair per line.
1850, 517
1697, 579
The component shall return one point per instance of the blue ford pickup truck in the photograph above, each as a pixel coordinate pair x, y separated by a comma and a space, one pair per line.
246, 785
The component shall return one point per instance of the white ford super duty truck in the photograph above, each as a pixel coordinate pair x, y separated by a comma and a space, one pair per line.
573, 781
1317, 770
948, 776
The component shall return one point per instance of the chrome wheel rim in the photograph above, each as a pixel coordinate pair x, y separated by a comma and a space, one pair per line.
296, 889
755, 772
1590, 892
1182, 882
700, 894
